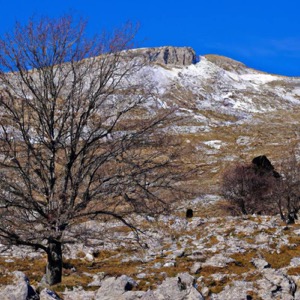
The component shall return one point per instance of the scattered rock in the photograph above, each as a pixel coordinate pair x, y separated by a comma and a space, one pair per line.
218, 260
295, 262
195, 269
170, 264
260, 263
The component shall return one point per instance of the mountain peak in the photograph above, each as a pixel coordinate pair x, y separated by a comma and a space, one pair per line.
226, 63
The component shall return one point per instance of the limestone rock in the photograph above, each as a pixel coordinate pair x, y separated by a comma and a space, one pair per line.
238, 290
118, 288
295, 262
78, 294
276, 285
181, 287
97, 279
260, 263
218, 260
195, 269
20, 289
47, 294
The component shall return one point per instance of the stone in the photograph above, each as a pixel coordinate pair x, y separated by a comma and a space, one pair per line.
295, 262
47, 294
89, 257
260, 263
79, 294
182, 287
141, 275
205, 291
97, 279
276, 285
218, 260
20, 289
195, 269
170, 264
236, 291
149, 295
263, 162
116, 288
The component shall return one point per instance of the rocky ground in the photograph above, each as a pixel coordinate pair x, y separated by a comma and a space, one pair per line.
254, 257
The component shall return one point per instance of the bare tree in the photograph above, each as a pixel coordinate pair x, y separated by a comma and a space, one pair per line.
76, 141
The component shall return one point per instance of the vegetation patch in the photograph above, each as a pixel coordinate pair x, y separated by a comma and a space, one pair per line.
283, 258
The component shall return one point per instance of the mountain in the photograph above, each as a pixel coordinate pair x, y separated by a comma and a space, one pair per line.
231, 113
234, 113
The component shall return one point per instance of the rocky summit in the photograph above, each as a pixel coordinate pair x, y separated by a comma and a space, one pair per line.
230, 114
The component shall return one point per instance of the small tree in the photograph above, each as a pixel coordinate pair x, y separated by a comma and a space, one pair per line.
76, 141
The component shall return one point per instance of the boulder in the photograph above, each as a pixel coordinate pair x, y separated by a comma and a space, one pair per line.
260, 263
117, 288
195, 269
235, 291
20, 289
47, 294
182, 287
263, 163
97, 279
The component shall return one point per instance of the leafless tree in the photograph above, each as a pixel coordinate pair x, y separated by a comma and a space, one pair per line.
76, 141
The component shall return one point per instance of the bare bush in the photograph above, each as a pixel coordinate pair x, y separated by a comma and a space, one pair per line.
250, 190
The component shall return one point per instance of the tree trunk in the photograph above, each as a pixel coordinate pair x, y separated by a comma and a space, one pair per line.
54, 265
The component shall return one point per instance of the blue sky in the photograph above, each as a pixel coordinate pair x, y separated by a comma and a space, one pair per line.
262, 34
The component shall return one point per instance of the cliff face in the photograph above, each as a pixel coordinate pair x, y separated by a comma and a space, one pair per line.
178, 56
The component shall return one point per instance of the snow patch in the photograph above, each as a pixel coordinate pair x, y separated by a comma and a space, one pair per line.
215, 144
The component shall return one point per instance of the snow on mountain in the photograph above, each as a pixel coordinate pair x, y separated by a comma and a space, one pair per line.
237, 92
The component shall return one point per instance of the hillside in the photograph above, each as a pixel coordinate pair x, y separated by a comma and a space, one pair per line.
230, 113
233, 113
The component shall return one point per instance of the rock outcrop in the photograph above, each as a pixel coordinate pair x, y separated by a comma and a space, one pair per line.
178, 56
